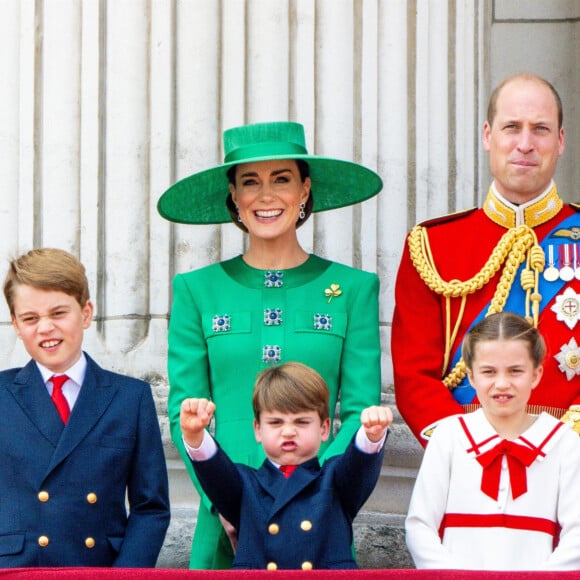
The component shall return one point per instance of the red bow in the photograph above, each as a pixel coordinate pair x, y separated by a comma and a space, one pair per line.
518, 459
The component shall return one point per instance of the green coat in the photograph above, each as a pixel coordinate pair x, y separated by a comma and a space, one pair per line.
225, 328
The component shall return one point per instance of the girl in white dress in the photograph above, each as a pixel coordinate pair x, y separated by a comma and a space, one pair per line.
499, 488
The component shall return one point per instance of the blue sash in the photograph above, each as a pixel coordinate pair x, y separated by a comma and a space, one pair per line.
464, 393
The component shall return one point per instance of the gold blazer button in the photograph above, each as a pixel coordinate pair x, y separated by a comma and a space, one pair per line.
43, 496
273, 529
90, 542
43, 541
92, 497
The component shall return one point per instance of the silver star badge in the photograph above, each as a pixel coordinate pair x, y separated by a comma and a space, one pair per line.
569, 359
567, 308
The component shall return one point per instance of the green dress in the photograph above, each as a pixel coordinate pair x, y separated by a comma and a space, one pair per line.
230, 321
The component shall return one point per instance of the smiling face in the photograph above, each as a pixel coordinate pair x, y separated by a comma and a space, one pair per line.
524, 140
291, 438
504, 374
268, 196
50, 324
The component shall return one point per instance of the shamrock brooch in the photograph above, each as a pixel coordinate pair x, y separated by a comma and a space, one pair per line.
333, 291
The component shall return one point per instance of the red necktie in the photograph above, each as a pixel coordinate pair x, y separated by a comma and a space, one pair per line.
58, 398
518, 459
287, 470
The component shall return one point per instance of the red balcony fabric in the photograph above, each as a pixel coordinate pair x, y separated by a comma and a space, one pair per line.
174, 574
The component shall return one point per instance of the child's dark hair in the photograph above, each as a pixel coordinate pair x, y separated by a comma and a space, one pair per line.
290, 388
504, 326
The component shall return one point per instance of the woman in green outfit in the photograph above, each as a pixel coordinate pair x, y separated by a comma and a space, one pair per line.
273, 304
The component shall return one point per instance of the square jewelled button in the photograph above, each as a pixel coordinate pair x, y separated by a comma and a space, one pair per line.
271, 353
273, 279
221, 323
322, 322
272, 316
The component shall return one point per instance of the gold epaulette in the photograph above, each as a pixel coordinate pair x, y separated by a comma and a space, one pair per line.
448, 218
572, 418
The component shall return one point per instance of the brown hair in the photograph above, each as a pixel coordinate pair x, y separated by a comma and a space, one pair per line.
304, 170
504, 326
47, 269
492, 106
290, 388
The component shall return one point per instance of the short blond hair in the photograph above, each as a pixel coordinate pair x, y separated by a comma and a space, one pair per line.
47, 269
290, 388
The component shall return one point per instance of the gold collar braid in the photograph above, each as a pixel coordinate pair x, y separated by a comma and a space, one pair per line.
532, 213
515, 246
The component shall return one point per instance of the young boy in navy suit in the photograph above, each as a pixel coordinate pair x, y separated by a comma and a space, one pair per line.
69, 464
291, 513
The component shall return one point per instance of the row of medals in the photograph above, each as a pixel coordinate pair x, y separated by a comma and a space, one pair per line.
570, 260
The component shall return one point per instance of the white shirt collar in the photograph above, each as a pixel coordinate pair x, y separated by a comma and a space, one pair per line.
76, 373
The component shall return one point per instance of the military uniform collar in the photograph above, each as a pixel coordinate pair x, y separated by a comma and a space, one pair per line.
533, 213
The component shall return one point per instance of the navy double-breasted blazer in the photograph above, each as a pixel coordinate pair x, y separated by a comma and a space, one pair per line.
301, 522
63, 489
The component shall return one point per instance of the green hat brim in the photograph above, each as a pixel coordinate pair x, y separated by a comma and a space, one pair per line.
201, 197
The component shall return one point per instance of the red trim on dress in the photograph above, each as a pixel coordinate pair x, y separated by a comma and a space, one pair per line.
528, 523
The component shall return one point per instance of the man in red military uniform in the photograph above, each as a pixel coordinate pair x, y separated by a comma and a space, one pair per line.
519, 252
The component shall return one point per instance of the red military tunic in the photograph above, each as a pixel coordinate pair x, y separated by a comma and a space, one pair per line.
457, 248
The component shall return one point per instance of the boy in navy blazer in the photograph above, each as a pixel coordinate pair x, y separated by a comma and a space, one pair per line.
70, 464
291, 513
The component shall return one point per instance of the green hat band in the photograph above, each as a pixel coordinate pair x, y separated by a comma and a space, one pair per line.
269, 149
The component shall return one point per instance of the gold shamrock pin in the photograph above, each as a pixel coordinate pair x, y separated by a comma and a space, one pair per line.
333, 291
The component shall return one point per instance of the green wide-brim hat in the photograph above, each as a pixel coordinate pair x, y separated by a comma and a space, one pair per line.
201, 197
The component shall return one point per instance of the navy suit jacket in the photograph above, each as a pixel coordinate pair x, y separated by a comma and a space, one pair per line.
305, 520
63, 489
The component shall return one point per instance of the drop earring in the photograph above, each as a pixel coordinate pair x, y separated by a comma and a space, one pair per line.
302, 214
